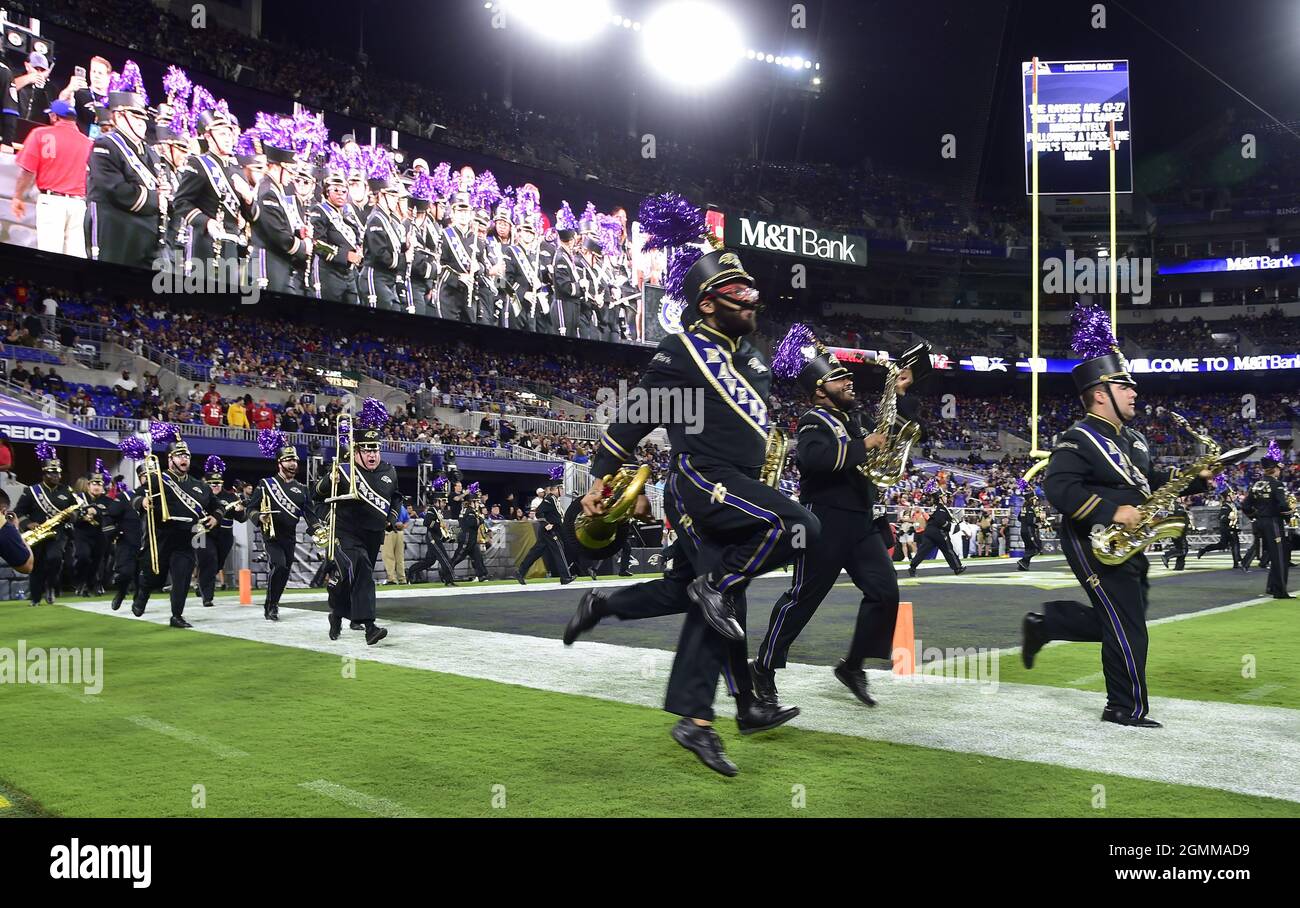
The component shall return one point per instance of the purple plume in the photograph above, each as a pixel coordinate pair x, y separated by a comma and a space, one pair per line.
589, 213
557, 472
200, 102
99, 466
422, 187
440, 483
129, 79
181, 123
564, 219
214, 464
122, 489
269, 442
1092, 335
797, 347
274, 130
1275, 450
527, 203
177, 86
163, 432
374, 415
246, 145
346, 162
443, 185
45, 451
668, 219
133, 447
378, 162
610, 232
1221, 483
472, 489
680, 260
1021, 485
310, 135
485, 192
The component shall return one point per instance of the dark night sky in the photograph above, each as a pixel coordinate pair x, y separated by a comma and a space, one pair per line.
898, 73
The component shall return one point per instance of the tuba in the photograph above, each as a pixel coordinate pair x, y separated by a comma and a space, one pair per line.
599, 536
778, 443
1116, 544
885, 466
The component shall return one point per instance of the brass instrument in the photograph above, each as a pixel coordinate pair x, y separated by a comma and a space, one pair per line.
1233, 517
43, 531
329, 537
1116, 544
484, 534
601, 535
152, 480
264, 514
886, 465
778, 444
1292, 522
92, 517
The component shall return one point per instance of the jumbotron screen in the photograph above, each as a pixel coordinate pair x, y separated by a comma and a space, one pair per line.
1077, 101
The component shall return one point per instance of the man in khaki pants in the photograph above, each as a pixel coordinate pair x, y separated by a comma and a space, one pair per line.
394, 550
53, 161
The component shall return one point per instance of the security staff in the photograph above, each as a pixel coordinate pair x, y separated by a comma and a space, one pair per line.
88, 535
1229, 530
1268, 507
831, 446
122, 188
190, 508
359, 523
548, 545
1031, 513
39, 503
733, 526
436, 538
1099, 472
285, 501
936, 537
220, 539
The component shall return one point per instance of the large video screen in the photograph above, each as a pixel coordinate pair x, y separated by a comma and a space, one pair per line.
1077, 102
218, 188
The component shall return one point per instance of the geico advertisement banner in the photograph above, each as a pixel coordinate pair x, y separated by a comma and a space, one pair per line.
805, 242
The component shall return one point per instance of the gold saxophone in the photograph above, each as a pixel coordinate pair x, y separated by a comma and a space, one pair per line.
886, 465
43, 531
1292, 522
1116, 544
484, 534
778, 443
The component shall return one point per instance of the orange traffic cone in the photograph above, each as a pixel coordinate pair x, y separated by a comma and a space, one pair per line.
904, 648
246, 588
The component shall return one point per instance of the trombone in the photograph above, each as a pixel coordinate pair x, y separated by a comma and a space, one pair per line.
268, 525
342, 433
153, 480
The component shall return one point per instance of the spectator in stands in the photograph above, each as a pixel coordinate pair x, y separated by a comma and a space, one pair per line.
262, 416
125, 386
6, 455
212, 412
212, 395
289, 420
196, 394
20, 376
37, 381
50, 306
237, 413
53, 159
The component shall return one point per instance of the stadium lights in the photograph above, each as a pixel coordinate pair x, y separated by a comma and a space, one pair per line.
569, 21
692, 44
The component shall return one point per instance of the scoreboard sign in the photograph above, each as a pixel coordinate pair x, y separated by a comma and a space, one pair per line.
1077, 102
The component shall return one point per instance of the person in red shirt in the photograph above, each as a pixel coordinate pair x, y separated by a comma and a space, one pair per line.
212, 395
53, 159
212, 412
262, 417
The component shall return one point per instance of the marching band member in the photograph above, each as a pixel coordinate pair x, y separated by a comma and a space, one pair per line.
40, 502
334, 222
279, 502
88, 534
279, 251
457, 280
424, 244
385, 237
220, 539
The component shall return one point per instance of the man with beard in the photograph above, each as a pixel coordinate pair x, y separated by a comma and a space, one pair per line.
832, 445
221, 538
279, 502
38, 503
122, 187
214, 199
458, 278
733, 526
189, 508
366, 502
334, 222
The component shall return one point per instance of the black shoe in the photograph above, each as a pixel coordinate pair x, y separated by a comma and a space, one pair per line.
1032, 638
1283, 596
764, 684
717, 609
178, 621
758, 716
585, 618
593, 576
704, 742
99, 591
565, 581
1020, 565
336, 626
209, 604
49, 596
911, 571
1119, 717
520, 577
356, 626
117, 599
961, 570
375, 633
137, 610
449, 583
855, 679
625, 573
273, 613
34, 603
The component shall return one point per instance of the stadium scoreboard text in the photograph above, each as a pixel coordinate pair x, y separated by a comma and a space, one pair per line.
1077, 101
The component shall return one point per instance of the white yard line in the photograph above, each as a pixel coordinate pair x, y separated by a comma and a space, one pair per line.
381, 807
188, 737
1247, 749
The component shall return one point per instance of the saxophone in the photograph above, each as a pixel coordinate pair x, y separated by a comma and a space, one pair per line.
1292, 522
43, 531
885, 466
1115, 544
774, 457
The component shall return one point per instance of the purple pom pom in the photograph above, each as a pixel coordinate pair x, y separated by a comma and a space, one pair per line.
177, 85
133, 447
163, 432
422, 187
269, 442
557, 472
795, 350
485, 192
244, 145
200, 102
377, 162
1092, 335
308, 133
440, 483
129, 79
374, 415
181, 122
45, 451
668, 220
443, 186
122, 489
931, 487
214, 464
589, 213
473, 488
1021, 485
564, 219
1275, 450
610, 232
1221, 483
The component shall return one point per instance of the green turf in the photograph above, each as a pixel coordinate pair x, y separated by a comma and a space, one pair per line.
437, 744
1204, 658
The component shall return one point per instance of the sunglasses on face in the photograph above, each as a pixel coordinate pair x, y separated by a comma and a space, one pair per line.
745, 298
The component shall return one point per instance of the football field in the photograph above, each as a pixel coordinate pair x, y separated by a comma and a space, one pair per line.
472, 707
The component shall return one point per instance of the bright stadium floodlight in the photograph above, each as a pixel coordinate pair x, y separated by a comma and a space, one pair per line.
692, 44
567, 21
